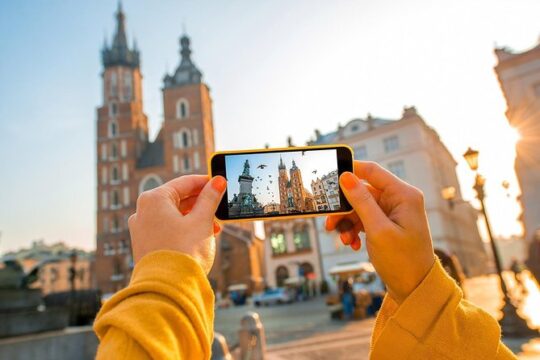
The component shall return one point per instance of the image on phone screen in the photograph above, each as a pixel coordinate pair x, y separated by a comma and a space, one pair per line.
282, 183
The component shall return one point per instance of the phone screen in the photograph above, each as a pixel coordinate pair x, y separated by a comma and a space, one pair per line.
283, 183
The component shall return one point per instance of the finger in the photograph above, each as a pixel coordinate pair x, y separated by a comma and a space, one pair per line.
356, 244
185, 186
332, 221
375, 174
362, 201
208, 200
346, 237
217, 228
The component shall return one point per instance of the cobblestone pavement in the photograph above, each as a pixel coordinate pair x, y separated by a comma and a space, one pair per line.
305, 330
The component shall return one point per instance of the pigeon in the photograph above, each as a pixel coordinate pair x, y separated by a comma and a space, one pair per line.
262, 166
303, 152
270, 181
267, 188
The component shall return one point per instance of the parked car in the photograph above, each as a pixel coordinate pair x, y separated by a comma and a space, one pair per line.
273, 296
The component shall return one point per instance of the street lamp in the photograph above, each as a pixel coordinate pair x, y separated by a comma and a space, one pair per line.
512, 325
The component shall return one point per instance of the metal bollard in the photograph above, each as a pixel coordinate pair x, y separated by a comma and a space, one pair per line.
251, 337
220, 350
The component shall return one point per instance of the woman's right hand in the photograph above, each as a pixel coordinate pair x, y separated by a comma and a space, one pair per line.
391, 213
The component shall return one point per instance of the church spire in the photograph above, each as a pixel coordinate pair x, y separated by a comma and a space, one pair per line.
281, 164
119, 52
186, 73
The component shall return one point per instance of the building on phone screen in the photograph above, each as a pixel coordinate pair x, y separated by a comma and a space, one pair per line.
129, 162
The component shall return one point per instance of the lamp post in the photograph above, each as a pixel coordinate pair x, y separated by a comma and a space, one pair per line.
511, 323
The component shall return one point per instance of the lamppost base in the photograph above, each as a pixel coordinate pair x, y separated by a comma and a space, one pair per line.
513, 325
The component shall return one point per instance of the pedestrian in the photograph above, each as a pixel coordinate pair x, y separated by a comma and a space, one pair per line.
347, 300
516, 267
167, 311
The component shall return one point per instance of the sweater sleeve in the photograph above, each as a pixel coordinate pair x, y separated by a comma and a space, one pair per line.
166, 312
435, 322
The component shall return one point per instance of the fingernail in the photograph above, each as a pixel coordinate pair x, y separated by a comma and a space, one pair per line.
219, 183
349, 180
217, 228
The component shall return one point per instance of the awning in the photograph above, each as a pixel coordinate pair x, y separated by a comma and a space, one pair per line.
237, 287
351, 268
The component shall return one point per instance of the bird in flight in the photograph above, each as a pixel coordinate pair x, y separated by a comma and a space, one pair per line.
314, 171
262, 166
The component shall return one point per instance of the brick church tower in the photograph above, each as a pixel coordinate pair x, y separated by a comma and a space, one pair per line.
128, 163
122, 135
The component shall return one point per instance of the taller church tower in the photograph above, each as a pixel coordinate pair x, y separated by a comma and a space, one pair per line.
122, 134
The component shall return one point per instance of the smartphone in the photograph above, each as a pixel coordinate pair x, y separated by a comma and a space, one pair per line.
282, 182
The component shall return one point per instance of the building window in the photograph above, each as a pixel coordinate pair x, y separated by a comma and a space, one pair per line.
181, 139
360, 152
125, 172
126, 196
397, 168
115, 201
185, 139
113, 129
108, 249
104, 198
182, 109
196, 160
391, 144
123, 247
187, 166
176, 168
115, 225
301, 239
113, 109
105, 225
114, 151
104, 175
115, 178
123, 148
277, 241
103, 151
149, 182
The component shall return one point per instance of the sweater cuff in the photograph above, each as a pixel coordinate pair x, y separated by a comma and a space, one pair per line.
415, 317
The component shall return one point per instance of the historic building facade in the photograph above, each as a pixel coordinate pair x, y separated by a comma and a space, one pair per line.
128, 163
519, 77
413, 151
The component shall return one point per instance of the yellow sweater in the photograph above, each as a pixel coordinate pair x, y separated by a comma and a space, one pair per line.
167, 312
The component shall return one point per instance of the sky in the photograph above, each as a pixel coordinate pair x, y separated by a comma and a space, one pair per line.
266, 183
275, 68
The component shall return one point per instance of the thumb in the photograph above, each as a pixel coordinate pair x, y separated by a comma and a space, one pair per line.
209, 198
362, 201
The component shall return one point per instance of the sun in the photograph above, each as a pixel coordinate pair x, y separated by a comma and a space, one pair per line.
514, 135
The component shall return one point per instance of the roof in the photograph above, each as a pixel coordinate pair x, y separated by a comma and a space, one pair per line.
351, 268
153, 155
119, 52
186, 73
354, 126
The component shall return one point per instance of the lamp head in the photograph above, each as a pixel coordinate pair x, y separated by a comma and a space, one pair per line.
471, 156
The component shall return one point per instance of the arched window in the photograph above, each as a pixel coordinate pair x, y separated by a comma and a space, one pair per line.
115, 225
185, 139
282, 274
115, 199
306, 269
182, 109
149, 182
301, 238
115, 177
277, 241
114, 83
114, 151
113, 129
